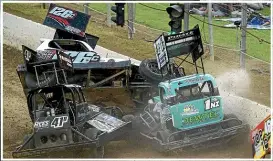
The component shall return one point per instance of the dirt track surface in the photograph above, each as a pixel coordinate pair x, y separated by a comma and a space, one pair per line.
17, 123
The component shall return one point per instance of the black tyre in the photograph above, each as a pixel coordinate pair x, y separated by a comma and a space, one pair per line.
30, 144
148, 69
31, 81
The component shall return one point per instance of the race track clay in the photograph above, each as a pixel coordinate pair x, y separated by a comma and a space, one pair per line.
17, 123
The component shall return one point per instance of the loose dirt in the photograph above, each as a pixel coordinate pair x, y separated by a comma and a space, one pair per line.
17, 123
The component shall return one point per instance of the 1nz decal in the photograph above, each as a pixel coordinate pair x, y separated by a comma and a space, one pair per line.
212, 103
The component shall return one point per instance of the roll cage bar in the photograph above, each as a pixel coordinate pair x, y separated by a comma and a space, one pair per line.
60, 91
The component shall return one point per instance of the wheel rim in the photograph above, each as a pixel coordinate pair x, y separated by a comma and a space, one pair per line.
154, 68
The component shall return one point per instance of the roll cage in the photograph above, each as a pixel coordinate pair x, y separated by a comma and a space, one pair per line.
58, 96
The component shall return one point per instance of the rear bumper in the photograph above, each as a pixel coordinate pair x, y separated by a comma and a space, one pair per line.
201, 139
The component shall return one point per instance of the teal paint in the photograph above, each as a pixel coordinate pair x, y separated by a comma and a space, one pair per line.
193, 113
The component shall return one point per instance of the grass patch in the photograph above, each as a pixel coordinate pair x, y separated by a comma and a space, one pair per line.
224, 37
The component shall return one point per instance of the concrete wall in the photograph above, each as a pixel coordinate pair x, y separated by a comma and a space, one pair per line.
19, 31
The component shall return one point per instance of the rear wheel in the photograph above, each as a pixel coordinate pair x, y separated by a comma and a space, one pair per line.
148, 68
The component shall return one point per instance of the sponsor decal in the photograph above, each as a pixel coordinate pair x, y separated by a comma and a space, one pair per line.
49, 95
161, 52
189, 110
85, 111
261, 139
82, 57
94, 108
46, 54
67, 19
180, 36
62, 12
200, 118
66, 25
27, 55
66, 59
73, 30
194, 80
41, 124
212, 103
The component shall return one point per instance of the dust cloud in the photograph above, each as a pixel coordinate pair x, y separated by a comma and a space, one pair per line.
236, 81
233, 85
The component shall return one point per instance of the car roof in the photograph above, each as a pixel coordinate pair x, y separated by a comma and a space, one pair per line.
189, 80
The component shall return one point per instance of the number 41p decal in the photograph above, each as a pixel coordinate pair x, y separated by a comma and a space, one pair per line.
58, 122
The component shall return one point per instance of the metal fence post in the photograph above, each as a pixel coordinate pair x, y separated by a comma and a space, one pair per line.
186, 16
243, 43
43, 5
109, 22
134, 16
86, 8
130, 20
211, 49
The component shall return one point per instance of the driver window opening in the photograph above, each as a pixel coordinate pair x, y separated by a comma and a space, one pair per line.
194, 91
68, 45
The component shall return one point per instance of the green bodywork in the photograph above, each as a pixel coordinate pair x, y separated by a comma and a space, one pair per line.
198, 109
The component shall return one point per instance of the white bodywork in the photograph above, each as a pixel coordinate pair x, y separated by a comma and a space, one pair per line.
45, 46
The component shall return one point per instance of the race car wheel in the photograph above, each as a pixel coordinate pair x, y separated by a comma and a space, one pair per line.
148, 68
31, 81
